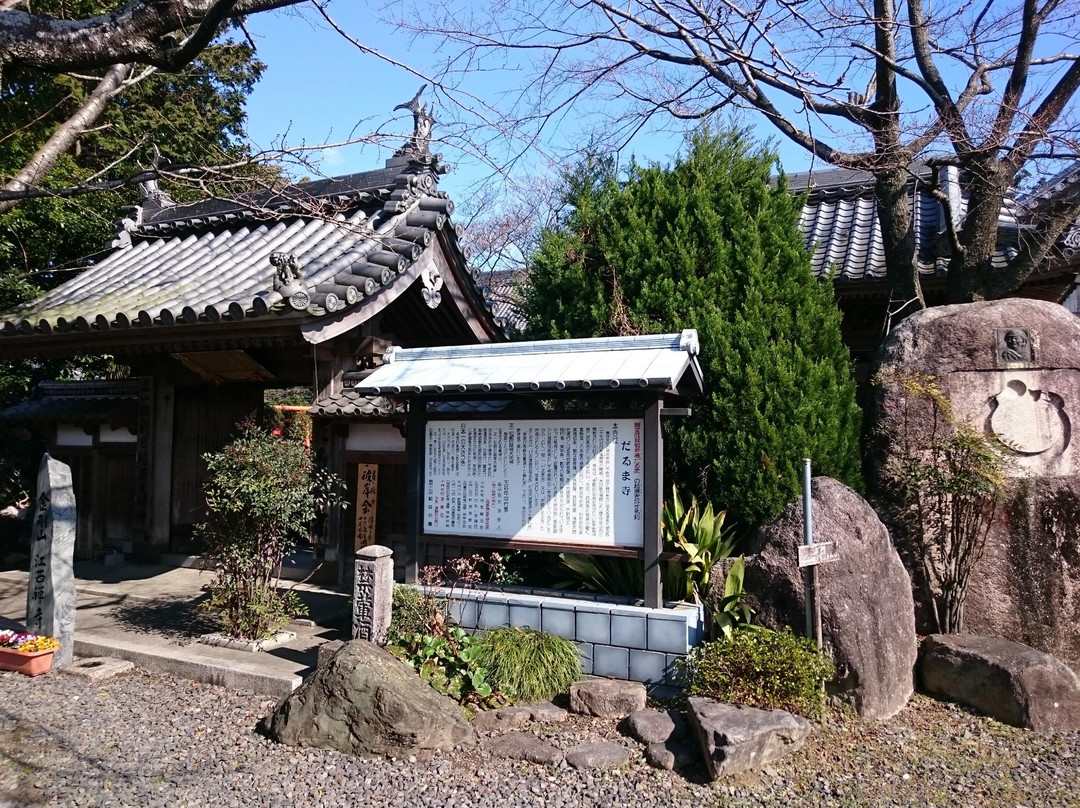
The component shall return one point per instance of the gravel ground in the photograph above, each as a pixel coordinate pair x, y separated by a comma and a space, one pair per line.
144, 740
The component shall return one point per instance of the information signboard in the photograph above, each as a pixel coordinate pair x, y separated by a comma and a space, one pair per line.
575, 481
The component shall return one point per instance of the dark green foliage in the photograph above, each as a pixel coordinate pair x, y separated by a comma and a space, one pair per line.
709, 244
262, 492
760, 668
193, 117
450, 664
529, 665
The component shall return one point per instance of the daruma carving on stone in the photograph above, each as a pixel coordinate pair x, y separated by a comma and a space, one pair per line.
1029, 421
1026, 585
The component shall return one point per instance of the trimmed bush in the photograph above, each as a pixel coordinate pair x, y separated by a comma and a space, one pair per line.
414, 612
529, 665
711, 243
760, 668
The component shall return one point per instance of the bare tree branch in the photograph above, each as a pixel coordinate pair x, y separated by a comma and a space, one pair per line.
142, 31
64, 136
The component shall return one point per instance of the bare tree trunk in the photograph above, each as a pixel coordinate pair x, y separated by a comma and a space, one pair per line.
970, 268
64, 137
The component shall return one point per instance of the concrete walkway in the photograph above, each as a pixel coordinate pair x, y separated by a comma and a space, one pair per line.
151, 616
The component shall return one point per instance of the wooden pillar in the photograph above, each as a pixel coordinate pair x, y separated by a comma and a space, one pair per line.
333, 442
161, 446
414, 490
653, 486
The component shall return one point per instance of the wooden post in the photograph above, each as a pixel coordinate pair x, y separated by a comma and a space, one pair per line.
653, 506
161, 443
414, 490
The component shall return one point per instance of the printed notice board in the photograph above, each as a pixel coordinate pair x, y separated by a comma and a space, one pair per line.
576, 481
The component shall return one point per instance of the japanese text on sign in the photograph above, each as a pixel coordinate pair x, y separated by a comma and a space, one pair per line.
574, 481
367, 497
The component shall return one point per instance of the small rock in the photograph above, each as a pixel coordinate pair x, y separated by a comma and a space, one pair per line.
607, 698
599, 755
545, 712
672, 755
656, 726
659, 756
327, 651
522, 746
514, 717
736, 739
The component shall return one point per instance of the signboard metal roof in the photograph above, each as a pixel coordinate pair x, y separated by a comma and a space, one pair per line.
664, 362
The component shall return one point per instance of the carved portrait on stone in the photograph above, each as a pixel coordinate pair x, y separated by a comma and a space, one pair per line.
1014, 346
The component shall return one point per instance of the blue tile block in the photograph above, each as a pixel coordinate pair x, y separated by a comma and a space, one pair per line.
492, 614
668, 633
586, 649
611, 662
593, 625
628, 631
525, 615
672, 676
558, 619
464, 612
647, 666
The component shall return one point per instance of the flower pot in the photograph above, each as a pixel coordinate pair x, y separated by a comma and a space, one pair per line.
29, 663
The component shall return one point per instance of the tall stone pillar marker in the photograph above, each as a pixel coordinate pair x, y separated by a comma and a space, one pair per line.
373, 592
50, 595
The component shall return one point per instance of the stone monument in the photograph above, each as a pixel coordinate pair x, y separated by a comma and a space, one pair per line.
867, 611
1011, 368
50, 596
373, 592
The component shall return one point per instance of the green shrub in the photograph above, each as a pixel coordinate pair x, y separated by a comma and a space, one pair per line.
449, 664
529, 665
262, 492
711, 243
413, 611
760, 668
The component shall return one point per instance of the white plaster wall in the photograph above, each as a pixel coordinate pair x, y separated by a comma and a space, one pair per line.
122, 435
374, 438
71, 435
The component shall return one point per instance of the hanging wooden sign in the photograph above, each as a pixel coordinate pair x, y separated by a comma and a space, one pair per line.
367, 497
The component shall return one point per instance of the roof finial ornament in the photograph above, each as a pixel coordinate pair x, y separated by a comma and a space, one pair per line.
288, 281
148, 188
419, 144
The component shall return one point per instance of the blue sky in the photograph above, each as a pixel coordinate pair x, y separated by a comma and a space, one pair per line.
319, 88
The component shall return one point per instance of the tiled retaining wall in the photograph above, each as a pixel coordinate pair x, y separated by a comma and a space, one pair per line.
617, 639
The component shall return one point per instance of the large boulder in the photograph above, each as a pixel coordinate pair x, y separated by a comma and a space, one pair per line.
735, 739
867, 611
1013, 683
364, 701
1011, 367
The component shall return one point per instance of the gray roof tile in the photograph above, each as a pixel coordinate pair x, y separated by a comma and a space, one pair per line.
210, 261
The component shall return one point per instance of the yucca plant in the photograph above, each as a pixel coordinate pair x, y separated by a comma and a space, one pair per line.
700, 536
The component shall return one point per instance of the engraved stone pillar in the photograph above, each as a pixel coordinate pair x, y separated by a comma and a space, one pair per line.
50, 596
373, 591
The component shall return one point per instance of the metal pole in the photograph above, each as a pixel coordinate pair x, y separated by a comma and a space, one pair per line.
808, 539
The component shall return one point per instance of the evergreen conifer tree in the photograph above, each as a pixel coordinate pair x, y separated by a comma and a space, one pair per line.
710, 244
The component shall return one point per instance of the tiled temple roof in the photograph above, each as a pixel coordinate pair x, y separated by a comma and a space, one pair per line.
306, 251
78, 402
840, 224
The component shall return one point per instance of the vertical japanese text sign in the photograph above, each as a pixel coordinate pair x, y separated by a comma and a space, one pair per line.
367, 495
